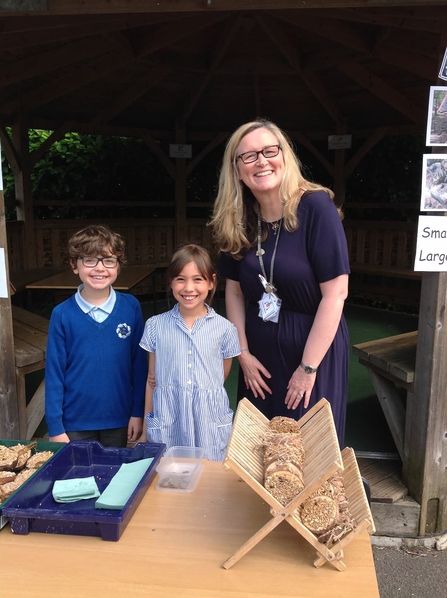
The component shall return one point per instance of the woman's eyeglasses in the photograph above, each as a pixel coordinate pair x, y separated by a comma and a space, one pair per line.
92, 262
268, 152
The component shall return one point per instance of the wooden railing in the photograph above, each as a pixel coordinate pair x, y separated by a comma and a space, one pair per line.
147, 241
381, 252
381, 257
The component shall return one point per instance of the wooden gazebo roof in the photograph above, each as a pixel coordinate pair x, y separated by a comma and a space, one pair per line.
322, 68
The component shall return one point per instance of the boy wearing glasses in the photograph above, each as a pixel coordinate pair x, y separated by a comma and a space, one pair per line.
95, 374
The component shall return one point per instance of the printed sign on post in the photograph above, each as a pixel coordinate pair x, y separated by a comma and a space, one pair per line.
3, 281
339, 141
180, 151
431, 245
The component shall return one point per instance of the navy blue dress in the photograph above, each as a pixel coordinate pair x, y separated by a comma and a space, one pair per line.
316, 252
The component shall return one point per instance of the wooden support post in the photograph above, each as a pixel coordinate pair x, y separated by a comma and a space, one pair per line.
180, 190
425, 449
9, 419
425, 462
339, 172
22, 179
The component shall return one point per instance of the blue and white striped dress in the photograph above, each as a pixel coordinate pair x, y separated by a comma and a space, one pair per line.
191, 406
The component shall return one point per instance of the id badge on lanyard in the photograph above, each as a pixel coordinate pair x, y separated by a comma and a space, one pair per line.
269, 304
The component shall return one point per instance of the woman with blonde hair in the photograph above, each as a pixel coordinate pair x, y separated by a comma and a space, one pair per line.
284, 255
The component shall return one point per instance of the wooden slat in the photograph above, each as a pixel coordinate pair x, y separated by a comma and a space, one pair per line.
30, 335
26, 353
385, 479
26, 317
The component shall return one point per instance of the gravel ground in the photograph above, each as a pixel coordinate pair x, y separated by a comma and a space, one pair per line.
408, 572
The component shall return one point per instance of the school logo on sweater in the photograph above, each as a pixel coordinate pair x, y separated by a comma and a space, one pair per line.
123, 330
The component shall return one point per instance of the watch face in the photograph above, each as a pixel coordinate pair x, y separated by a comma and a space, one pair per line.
308, 369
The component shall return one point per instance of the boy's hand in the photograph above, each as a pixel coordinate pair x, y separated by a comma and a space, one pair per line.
59, 438
134, 429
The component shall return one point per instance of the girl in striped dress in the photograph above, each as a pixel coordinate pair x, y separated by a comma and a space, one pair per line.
190, 353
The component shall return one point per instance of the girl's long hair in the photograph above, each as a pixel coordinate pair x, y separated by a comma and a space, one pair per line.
234, 219
202, 259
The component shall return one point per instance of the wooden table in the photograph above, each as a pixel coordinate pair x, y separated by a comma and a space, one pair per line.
391, 364
174, 547
128, 278
30, 340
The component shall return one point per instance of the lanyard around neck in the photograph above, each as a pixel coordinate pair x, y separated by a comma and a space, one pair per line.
270, 287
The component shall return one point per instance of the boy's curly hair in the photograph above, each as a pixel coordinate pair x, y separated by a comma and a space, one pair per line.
97, 240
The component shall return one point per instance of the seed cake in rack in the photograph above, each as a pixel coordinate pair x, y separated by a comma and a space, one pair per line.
323, 460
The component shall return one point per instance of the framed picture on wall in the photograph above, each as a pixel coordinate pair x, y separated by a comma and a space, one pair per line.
434, 183
437, 116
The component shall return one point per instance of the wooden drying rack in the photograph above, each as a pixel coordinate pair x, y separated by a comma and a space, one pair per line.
322, 460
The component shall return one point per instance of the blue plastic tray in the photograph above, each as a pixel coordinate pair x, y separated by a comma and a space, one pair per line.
33, 509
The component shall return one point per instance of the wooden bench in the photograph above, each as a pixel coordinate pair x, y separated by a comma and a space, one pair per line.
30, 341
381, 255
391, 364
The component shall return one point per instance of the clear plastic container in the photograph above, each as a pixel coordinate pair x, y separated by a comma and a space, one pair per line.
180, 469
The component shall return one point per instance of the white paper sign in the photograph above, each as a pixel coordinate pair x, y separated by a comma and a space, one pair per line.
3, 281
443, 69
1, 175
180, 151
431, 245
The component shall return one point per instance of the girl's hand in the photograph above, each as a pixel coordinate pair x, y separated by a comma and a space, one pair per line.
151, 380
300, 387
252, 369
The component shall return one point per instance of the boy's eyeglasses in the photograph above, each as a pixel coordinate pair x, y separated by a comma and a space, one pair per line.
268, 152
92, 262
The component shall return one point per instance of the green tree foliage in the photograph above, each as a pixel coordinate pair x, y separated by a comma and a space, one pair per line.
89, 167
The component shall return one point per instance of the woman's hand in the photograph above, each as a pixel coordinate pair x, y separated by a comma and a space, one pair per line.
300, 387
252, 369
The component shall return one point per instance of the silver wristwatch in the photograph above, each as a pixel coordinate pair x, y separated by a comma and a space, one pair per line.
308, 368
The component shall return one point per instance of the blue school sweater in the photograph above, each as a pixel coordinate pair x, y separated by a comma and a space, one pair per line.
95, 372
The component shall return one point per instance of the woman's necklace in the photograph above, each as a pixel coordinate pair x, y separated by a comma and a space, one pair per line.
275, 225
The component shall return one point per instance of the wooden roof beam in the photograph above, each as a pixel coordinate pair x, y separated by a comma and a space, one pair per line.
215, 142
43, 62
305, 141
341, 34
409, 61
107, 64
376, 136
280, 39
156, 149
384, 91
11, 41
69, 7
11, 153
173, 32
404, 20
57, 134
220, 49
131, 94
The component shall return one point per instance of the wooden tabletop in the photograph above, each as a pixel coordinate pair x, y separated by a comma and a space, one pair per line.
394, 356
174, 547
128, 278
30, 337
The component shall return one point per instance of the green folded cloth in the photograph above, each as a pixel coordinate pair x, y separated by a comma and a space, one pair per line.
123, 484
75, 489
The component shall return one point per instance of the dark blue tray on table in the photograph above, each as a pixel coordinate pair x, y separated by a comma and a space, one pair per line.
33, 509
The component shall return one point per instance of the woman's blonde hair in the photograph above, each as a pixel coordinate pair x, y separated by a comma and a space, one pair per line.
235, 208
